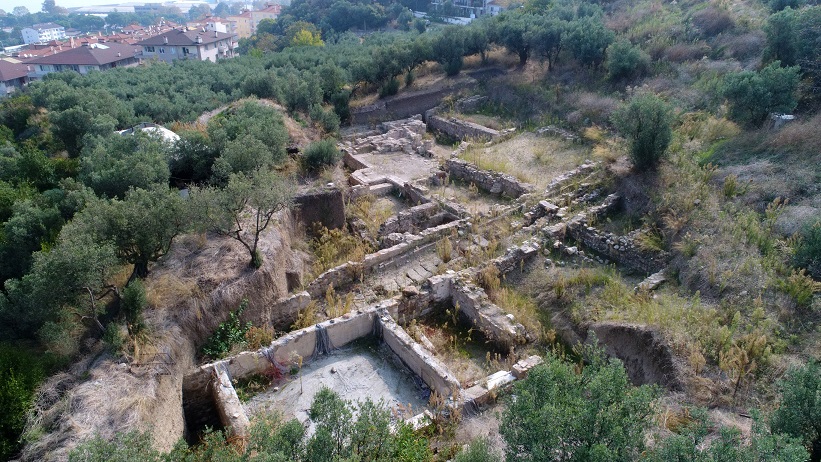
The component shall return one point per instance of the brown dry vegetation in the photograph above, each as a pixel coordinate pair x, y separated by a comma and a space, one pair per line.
190, 291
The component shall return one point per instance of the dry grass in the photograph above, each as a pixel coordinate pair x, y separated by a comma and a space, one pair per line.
372, 211
524, 309
333, 247
166, 290
306, 317
528, 157
798, 138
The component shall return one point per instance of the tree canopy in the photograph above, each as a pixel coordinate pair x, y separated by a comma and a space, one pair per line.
595, 414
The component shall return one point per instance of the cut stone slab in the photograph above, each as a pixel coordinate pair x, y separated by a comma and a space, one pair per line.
652, 282
549, 207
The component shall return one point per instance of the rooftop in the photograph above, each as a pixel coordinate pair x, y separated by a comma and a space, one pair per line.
46, 25
10, 70
182, 38
93, 54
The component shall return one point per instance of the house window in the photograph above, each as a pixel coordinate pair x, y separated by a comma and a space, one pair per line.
149, 49
186, 51
162, 51
173, 50
42, 68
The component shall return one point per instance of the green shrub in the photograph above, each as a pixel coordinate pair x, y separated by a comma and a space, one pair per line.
228, 334
320, 154
625, 61
807, 252
124, 447
688, 443
21, 371
799, 414
645, 122
113, 338
344, 431
592, 414
478, 450
133, 303
389, 88
755, 95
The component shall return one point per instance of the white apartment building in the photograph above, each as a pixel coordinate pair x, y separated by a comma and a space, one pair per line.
43, 33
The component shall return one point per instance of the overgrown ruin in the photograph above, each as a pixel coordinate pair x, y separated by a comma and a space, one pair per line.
409, 278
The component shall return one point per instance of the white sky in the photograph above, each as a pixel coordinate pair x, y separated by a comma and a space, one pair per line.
34, 5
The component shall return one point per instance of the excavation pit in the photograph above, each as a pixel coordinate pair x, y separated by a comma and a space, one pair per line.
365, 369
463, 349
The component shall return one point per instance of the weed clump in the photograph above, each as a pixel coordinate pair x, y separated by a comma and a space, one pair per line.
319, 155
228, 334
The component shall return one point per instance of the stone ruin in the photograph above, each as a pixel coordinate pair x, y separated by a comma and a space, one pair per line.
404, 135
403, 281
460, 129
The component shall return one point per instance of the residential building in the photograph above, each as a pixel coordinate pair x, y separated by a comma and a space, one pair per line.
270, 11
185, 44
86, 58
13, 75
40, 33
242, 24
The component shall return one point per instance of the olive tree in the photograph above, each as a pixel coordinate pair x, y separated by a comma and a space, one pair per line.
141, 226
799, 414
558, 413
244, 208
754, 95
111, 165
645, 122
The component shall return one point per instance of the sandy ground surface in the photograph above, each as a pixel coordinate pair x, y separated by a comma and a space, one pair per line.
356, 372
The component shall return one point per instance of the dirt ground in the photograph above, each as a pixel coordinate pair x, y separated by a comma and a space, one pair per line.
357, 372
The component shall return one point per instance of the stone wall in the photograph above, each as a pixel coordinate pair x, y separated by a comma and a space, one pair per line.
325, 206
622, 249
492, 182
415, 219
405, 135
461, 129
478, 310
229, 407
347, 272
418, 359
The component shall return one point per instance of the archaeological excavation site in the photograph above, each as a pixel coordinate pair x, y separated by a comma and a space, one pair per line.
411, 231
427, 320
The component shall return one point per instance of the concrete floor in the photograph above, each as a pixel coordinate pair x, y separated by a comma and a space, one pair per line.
406, 167
359, 371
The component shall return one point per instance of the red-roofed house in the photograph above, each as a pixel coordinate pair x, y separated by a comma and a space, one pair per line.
12, 76
86, 58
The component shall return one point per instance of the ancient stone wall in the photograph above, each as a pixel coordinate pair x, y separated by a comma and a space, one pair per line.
488, 318
348, 272
324, 206
492, 182
418, 359
461, 129
415, 219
